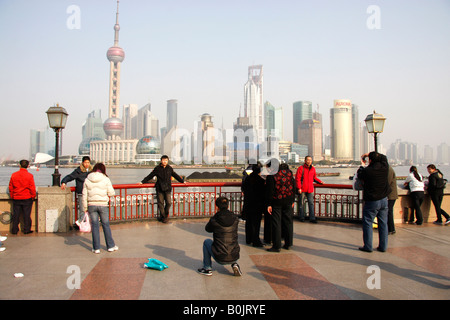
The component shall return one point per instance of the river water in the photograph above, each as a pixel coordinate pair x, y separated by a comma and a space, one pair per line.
43, 176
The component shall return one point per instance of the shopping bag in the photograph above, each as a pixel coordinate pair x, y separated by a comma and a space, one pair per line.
155, 264
85, 225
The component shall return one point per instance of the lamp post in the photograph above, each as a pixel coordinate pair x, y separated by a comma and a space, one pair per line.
375, 125
57, 118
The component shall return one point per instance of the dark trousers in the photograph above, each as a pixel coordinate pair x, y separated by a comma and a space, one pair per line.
267, 227
282, 225
391, 225
164, 203
436, 198
417, 199
22, 207
253, 226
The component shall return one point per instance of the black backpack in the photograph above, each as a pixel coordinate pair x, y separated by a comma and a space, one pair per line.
441, 183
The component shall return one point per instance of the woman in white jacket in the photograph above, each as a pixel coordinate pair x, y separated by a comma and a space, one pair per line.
96, 192
415, 183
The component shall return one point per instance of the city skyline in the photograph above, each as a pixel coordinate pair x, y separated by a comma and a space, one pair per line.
389, 57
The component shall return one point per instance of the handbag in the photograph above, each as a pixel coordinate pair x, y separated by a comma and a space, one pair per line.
85, 225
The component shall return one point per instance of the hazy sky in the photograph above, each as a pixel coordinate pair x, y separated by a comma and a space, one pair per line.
394, 58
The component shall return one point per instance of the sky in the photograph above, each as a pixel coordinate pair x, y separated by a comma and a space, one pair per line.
389, 56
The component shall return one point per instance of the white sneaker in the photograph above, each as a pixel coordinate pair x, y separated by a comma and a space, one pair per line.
96, 251
115, 248
3, 238
2, 249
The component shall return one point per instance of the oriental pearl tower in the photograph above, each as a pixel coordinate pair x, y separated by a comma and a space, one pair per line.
113, 126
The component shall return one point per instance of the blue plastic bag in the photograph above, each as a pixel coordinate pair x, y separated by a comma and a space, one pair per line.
155, 264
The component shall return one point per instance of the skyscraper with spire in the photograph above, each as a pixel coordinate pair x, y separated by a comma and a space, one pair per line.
113, 126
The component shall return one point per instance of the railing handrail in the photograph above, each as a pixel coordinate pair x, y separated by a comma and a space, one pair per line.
213, 184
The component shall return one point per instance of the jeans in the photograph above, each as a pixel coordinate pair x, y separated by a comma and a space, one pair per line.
164, 209
378, 209
310, 200
81, 208
103, 212
207, 254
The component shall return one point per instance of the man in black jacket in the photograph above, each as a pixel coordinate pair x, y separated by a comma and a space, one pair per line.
79, 175
163, 173
375, 192
224, 247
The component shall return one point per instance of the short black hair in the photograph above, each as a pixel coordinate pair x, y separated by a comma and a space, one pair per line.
164, 157
85, 158
222, 203
24, 164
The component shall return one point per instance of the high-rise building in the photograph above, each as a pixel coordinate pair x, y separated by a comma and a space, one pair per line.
130, 112
341, 130
302, 110
274, 120
253, 101
113, 126
146, 123
310, 134
172, 114
443, 153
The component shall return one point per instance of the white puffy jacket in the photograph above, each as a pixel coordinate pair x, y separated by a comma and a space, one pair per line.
97, 189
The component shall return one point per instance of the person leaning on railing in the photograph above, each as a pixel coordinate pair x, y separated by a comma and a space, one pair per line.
163, 173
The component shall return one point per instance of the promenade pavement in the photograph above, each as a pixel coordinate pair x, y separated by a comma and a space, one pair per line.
323, 264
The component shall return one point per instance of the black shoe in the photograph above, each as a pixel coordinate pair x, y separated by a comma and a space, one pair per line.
364, 249
313, 221
204, 272
286, 247
273, 250
28, 232
378, 249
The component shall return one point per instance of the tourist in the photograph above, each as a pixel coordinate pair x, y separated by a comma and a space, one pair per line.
224, 247
96, 192
22, 191
416, 187
392, 197
376, 190
254, 205
163, 173
304, 179
435, 188
79, 175
281, 196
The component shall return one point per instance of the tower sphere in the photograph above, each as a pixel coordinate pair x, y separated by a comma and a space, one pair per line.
115, 54
113, 127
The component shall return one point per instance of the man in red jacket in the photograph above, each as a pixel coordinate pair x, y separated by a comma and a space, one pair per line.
22, 191
304, 178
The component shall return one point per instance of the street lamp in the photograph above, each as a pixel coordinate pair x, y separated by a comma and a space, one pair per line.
57, 118
375, 125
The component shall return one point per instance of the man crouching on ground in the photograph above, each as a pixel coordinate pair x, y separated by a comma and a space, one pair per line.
224, 247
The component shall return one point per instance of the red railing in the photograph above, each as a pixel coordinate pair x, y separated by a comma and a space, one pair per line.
138, 201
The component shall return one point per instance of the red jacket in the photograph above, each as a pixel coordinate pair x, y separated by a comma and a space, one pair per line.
21, 185
308, 175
